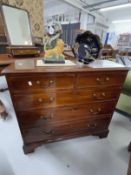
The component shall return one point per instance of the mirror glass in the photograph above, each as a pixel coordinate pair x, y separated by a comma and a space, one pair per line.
18, 26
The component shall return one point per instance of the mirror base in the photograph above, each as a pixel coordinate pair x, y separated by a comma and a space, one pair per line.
23, 51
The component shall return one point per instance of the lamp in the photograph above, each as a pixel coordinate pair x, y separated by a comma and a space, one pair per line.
115, 7
121, 21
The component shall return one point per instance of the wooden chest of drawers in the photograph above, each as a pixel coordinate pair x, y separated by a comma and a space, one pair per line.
53, 104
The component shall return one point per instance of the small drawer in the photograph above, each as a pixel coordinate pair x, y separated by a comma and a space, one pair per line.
62, 99
64, 129
42, 117
99, 79
40, 83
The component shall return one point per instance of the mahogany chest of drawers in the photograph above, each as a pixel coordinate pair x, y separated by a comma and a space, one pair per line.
58, 103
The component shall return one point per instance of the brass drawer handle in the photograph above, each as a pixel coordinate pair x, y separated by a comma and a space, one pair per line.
51, 99
103, 94
94, 95
92, 125
107, 78
47, 85
38, 82
51, 82
95, 112
91, 110
102, 81
40, 100
43, 117
48, 132
98, 79
99, 109
47, 118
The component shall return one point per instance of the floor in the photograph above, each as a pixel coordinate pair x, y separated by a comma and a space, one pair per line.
82, 156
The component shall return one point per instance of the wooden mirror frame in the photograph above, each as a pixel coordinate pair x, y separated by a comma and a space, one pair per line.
19, 50
6, 29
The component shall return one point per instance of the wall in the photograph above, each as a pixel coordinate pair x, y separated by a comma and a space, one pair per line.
57, 9
35, 9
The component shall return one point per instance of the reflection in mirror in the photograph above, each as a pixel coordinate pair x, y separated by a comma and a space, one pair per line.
18, 26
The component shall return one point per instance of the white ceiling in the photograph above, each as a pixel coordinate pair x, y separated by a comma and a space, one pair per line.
118, 14
52, 3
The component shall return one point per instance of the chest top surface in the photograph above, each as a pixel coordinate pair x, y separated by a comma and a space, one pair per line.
28, 66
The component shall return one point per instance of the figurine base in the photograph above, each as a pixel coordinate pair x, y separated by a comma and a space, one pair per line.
54, 61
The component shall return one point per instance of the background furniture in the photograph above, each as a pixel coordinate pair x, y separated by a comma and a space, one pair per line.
124, 103
3, 38
21, 41
124, 42
129, 147
3, 64
129, 169
63, 102
107, 53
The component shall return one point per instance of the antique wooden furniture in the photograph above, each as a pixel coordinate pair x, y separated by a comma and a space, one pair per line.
129, 168
3, 64
129, 147
18, 33
21, 52
3, 38
57, 103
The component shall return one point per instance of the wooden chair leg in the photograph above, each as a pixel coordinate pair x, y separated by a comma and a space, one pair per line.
129, 147
3, 112
129, 168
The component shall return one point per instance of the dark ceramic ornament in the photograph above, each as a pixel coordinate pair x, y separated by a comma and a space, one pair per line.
87, 47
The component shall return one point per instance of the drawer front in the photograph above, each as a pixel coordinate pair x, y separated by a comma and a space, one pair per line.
44, 117
40, 83
25, 52
98, 79
60, 131
62, 99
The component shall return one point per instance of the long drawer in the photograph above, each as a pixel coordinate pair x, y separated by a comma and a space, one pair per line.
55, 132
42, 117
57, 99
29, 84
100, 78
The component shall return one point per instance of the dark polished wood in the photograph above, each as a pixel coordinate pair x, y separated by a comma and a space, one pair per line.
129, 147
3, 112
38, 117
129, 168
58, 103
23, 51
5, 60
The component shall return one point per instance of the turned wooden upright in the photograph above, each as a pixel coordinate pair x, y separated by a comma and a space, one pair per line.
129, 169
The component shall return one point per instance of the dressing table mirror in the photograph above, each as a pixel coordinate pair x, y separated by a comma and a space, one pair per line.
18, 32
